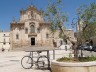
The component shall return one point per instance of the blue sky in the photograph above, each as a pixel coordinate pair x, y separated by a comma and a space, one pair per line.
10, 8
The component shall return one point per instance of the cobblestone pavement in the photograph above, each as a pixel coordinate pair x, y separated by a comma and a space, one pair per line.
10, 62
88, 53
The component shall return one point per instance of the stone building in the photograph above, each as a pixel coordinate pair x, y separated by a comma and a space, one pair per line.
4, 40
32, 30
69, 33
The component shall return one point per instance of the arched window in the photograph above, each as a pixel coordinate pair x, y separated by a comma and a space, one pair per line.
17, 36
32, 29
26, 30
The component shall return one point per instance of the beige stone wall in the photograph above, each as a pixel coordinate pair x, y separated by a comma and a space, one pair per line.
6, 36
31, 13
69, 33
28, 17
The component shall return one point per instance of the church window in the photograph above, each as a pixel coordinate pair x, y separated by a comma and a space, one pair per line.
38, 29
17, 36
26, 30
32, 29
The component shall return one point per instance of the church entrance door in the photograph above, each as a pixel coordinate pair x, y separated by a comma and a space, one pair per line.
32, 41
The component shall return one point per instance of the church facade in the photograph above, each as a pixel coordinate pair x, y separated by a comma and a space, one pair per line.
30, 30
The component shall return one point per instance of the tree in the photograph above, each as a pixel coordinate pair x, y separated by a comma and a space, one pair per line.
88, 15
56, 17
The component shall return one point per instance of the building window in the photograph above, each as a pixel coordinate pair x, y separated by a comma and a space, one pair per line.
26, 30
17, 36
32, 29
66, 41
9, 40
61, 42
4, 42
38, 30
47, 35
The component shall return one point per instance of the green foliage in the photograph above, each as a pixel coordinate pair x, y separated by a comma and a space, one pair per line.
89, 32
55, 15
88, 15
87, 59
64, 59
80, 59
59, 1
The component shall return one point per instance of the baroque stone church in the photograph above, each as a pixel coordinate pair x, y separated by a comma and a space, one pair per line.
32, 30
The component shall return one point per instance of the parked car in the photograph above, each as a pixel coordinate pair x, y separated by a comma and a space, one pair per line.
85, 47
94, 48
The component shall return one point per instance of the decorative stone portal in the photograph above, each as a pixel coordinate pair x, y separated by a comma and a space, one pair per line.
32, 41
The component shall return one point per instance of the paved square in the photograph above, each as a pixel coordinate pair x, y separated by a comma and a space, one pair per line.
10, 62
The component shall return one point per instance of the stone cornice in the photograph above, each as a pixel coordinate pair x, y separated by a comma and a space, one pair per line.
16, 25
32, 34
45, 24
